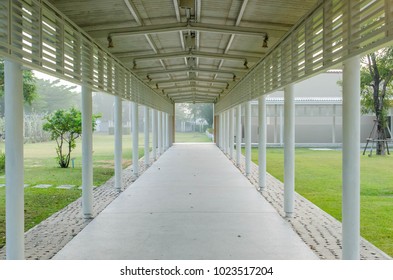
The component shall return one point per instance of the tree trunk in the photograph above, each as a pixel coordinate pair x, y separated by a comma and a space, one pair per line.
381, 138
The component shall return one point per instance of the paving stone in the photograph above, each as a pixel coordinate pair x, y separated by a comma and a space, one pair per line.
42, 186
67, 187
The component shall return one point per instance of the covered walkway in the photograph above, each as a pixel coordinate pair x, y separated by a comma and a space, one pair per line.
191, 204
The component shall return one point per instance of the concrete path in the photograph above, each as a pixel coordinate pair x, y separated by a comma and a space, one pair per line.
191, 204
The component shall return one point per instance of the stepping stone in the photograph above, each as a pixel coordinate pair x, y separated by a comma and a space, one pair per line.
26, 185
42, 186
2, 176
67, 187
2, 185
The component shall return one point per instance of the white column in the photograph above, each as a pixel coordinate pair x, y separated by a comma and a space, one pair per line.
87, 153
163, 132
227, 133
118, 142
262, 141
159, 133
231, 134
135, 138
166, 131
238, 134
221, 131
289, 151
281, 125
351, 159
154, 133
146, 133
248, 137
224, 132
13, 100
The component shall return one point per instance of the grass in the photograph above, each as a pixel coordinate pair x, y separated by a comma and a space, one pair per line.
187, 137
41, 168
318, 178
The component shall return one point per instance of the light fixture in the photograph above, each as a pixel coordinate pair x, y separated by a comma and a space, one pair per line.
264, 45
186, 4
157, 85
148, 77
234, 78
189, 41
191, 62
246, 64
110, 42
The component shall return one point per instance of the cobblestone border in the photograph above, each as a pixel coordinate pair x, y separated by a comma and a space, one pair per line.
319, 230
47, 238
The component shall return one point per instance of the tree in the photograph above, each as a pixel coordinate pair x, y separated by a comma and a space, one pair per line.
376, 90
29, 87
53, 95
65, 126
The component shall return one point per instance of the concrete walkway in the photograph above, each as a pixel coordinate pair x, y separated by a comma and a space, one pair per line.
193, 203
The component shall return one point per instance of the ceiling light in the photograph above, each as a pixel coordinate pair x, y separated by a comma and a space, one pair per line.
110, 42
264, 45
148, 77
187, 4
246, 64
234, 78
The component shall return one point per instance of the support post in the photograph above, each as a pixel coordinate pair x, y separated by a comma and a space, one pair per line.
248, 138
166, 131
351, 160
154, 133
13, 100
87, 153
289, 151
238, 134
118, 142
231, 134
135, 138
159, 133
220, 131
262, 142
146, 133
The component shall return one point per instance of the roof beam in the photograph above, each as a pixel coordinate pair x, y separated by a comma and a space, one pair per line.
200, 93
161, 82
192, 86
197, 70
186, 54
190, 26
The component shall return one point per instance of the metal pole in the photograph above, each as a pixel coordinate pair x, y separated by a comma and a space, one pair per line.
238, 134
118, 142
231, 134
248, 138
146, 133
155, 133
135, 138
262, 141
87, 152
289, 151
351, 160
13, 100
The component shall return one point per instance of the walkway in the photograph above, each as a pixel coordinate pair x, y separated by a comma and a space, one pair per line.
191, 204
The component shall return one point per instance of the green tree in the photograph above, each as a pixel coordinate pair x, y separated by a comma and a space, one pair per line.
29, 87
376, 90
53, 95
65, 126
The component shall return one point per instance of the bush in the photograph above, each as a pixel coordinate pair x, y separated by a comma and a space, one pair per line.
2, 161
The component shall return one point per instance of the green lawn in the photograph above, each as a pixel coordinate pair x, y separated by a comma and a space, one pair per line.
41, 168
318, 178
187, 137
